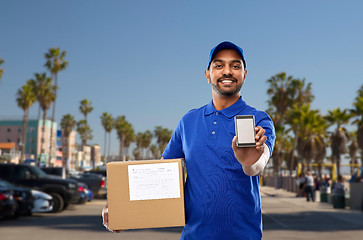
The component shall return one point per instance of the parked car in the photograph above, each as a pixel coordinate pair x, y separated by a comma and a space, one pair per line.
23, 198
8, 204
102, 172
86, 193
96, 182
83, 193
57, 171
95, 179
63, 191
42, 202
89, 193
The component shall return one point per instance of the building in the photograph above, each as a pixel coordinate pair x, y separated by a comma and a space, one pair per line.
9, 153
83, 158
95, 155
67, 145
37, 145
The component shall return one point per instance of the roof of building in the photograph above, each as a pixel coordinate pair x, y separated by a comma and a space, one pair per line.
7, 145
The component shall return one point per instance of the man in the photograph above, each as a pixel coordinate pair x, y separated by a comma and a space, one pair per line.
309, 187
222, 198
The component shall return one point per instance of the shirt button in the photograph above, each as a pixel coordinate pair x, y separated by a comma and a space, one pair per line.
213, 132
217, 113
215, 123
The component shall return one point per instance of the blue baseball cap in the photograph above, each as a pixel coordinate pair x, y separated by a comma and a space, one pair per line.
226, 45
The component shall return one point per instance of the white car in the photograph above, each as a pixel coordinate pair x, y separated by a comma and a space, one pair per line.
42, 202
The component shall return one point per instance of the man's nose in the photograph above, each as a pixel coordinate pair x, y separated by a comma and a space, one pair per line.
227, 70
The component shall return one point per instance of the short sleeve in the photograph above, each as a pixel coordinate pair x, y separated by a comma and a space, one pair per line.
174, 149
266, 123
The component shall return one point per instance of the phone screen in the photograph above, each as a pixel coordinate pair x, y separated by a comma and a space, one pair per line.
245, 130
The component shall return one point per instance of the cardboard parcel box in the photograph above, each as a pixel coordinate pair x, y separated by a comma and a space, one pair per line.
145, 194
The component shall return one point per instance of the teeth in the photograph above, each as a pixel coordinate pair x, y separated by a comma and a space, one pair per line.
227, 81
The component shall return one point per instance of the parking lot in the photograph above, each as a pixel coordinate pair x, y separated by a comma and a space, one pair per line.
284, 217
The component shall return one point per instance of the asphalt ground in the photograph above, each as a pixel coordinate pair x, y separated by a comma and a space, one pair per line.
284, 217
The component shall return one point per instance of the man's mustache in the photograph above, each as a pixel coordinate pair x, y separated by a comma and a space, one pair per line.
226, 77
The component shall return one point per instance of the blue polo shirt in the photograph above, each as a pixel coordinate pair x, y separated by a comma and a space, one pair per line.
221, 201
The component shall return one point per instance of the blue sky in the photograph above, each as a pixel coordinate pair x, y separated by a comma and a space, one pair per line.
146, 59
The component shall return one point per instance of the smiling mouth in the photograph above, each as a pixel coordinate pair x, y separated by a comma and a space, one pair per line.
227, 80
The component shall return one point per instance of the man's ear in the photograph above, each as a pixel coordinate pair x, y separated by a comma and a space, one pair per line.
245, 75
207, 75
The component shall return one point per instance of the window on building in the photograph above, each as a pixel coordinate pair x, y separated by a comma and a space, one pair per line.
19, 129
9, 129
9, 140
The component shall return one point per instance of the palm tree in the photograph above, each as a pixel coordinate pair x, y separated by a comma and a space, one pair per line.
357, 112
139, 152
353, 150
283, 147
1, 69
107, 123
154, 151
85, 108
311, 133
55, 63
129, 138
339, 137
25, 99
163, 136
124, 130
286, 92
143, 141
44, 90
147, 137
68, 123
85, 133
136, 153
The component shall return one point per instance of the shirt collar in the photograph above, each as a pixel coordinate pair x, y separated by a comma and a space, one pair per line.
229, 112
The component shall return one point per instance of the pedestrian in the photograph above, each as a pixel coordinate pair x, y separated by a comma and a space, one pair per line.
340, 184
309, 187
316, 183
300, 182
222, 197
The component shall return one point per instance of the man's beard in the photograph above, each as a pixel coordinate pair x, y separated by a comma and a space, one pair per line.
226, 93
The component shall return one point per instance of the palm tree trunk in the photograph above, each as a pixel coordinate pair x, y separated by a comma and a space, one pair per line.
120, 151
42, 138
50, 143
25, 123
294, 146
65, 153
39, 110
109, 146
122, 148
338, 165
104, 147
53, 118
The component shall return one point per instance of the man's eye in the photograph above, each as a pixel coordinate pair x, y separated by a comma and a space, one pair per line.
237, 67
218, 66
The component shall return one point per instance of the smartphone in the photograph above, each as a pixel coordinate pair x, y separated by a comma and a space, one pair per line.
245, 130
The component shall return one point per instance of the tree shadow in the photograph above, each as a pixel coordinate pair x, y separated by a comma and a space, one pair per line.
318, 221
